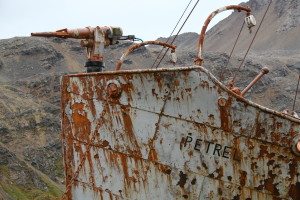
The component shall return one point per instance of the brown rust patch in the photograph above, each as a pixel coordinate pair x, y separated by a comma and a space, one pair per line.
259, 132
220, 192
220, 172
129, 133
81, 124
88, 88
225, 117
271, 162
128, 87
67, 135
254, 166
75, 88
204, 84
176, 83
276, 136
293, 168
204, 165
193, 182
270, 185
153, 156
77, 147
211, 118
158, 79
164, 168
243, 178
188, 89
166, 125
105, 143
125, 168
265, 153
182, 142
168, 171
263, 150
154, 93
182, 179
91, 166
294, 191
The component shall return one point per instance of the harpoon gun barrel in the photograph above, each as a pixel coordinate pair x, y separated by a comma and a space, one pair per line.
78, 33
50, 34
94, 39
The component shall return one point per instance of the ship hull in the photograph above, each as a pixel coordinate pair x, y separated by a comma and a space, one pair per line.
173, 134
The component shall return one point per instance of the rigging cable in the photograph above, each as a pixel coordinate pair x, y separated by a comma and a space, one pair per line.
232, 82
296, 93
178, 32
224, 69
172, 33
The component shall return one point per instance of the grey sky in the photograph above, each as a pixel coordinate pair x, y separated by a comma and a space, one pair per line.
147, 19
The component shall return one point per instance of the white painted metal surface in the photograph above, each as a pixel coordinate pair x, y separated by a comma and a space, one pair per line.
173, 134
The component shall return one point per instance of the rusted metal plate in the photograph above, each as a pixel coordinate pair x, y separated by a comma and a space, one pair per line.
173, 134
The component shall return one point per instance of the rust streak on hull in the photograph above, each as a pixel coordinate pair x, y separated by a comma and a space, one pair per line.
183, 135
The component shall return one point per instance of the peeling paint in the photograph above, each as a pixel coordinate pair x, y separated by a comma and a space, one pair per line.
174, 134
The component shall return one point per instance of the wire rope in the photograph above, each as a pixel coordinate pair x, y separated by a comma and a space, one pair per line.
224, 69
172, 32
296, 93
233, 79
178, 32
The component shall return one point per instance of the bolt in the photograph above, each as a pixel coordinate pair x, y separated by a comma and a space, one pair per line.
298, 147
222, 102
236, 90
113, 90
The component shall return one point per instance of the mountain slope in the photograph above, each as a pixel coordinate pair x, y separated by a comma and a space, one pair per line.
279, 30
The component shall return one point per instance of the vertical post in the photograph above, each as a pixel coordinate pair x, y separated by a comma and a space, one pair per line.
296, 93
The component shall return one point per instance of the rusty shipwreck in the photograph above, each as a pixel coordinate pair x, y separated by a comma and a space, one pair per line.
172, 133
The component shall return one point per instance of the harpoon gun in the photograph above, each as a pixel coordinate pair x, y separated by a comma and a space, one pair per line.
94, 39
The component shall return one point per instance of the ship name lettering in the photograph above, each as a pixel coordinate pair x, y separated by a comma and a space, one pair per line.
213, 148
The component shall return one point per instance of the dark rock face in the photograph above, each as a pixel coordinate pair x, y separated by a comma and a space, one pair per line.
278, 30
290, 12
1, 64
47, 159
17, 174
4, 156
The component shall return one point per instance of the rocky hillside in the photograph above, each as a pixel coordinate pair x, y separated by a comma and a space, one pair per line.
30, 69
279, 30
20, 180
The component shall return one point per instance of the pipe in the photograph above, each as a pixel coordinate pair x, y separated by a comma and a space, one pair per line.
264, 71
199, 59
121, 60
